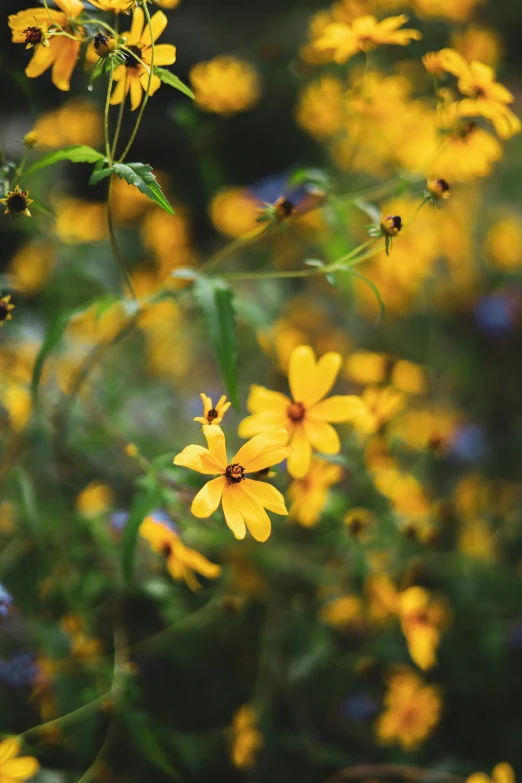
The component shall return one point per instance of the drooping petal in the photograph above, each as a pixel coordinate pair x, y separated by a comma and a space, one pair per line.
326, 371
9, 748
250, 452
323, 437
43, 58
299, 458
255, 516
158, 23
301, 371
155, 82
119, 92
135, 35
66, 59
208, 498
19, 769
266, 494
216, 444
135, 92
197, 562
198, 458
233, 516
337, 408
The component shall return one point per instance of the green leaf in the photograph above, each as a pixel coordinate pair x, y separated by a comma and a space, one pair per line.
375, 290
169, 78
143, 504
98, 174
142, 177
51, 340
147, 741
78, 153
215, 299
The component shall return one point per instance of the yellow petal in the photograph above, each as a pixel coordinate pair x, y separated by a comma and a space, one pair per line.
326, 371
301, 372
19, 769
233, 515
43, 58
503, 773
266, 494
138, 20
155, 83
299, 459
422, 644
158, 23
216, 445
208, 498
261, 399
322, 436
70, 7
157, 534
255, 516
66, 59
198, 458
337, 409
164, 54
251, 450
8, 748
119, 92
413, 600
197, 562
135, 92
478, 777
259, 422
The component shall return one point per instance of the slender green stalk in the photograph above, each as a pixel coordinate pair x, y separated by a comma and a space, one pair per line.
106, 117
237, 244
117, 130
67, 720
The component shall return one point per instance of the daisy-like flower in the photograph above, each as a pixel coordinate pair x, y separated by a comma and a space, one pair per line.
307, 416
133, 77
13, 769
182, 562
308, 495
365, 33
17, 202
61, 52
244, 500
388, 228
5, 309
488, 99
211, 414
437, 190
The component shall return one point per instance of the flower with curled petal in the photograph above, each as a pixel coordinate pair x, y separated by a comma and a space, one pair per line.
244, 500
365, 33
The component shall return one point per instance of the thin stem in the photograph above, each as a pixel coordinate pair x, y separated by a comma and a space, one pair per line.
117, 130
67, 720
149, 83
91, 772
260, 232
106, 117
120, 258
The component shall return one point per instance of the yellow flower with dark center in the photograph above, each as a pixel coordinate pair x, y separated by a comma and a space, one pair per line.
468, 151
420, 617
391, 225
133, 76
17, 202
103, 44
211, 414
488, 99
437, 190
365, 33
13, 769
225, 85
309, 494
5, 309
182, 562
412, 710
358, 520
502, 773
62, 51
35, 35
244, 500
246, 739
307, 416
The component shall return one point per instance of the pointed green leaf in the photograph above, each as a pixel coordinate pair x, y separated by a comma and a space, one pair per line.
215, 299
99, 173
169, 78
78, 153
142, 177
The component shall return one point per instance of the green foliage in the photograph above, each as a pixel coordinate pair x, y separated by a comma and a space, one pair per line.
77, 153
173, 81
140, 175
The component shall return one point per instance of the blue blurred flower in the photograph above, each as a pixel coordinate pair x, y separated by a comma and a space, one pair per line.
118, 520
6, 601
20, 671
469, 443
360, 707
494, 313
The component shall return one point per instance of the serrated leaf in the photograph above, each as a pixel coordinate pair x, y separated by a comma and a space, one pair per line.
375, 290
215, 299
167, 77
142, 177
143, 504
99, 173
77, 153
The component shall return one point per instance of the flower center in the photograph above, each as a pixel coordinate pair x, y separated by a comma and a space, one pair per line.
234, 473
34, 35
4, 310
131, 62
166, 549
211, 415
296, 411
17, 202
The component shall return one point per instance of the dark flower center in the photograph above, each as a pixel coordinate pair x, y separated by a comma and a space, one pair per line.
166, 549
395, 221
101, 43
131, 62
17, 202
356, 526
443, 185
4, 310
212, 414
284, 207
296, 411
34, 35
234, 473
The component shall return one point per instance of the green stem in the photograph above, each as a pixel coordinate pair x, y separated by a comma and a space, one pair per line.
106, 117
118, 123
241, 242
149, 84
67, 720
120, 258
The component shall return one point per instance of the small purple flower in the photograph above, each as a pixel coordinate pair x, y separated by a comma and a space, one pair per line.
6, 601
469, 443
360, 707
496, 313
118, 520
20, 671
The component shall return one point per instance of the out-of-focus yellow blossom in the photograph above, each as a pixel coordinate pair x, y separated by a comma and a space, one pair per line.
358, 520
455, 10
83, 646
80, 221
76, 122
246, 577
343, 612
244, 500
420, 617
246, 739
63, 51
406, 496
488, 99
16, 399
182, 562
168, 237
429, 427
7, 517
503, 244
13, 769
225, 85
309, 494
467, 152
128, 203
31, 266
409, 378
17, 202
90, 327
168, 349
365, 367
117, 6
234, 212
412, 710
168, 4
380, 406
320, 108
502, 773
306, 416
363, 35
211, 414
476, 539
478, 43
95, 499
133, 77
382, 598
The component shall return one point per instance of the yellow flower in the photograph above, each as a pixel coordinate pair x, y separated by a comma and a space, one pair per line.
234, 212
31, 266
62, 52
167, 3
13, 769
409, 377
358, 520
94, 499
76, 122
5, 309
391, 225
342, 612
412, 710
133, 77
478, 43
245, 737
306, 415
244, 500
17, 202
342, 41
380, 405
80, 221
213, 415
417, 615
439, 188
117, 6
503, 244
225, 85
308, 495
320, 109
467, 152
456, 10
181, 561
366, 367
502, 773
